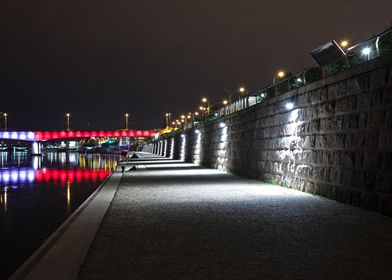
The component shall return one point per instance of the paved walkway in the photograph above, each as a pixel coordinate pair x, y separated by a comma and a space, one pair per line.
171, 220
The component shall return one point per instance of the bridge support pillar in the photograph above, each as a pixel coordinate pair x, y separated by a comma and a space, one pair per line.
36, 148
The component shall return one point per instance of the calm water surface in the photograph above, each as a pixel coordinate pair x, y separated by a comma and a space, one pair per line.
38, 193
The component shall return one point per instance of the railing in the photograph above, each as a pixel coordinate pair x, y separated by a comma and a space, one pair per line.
378, 46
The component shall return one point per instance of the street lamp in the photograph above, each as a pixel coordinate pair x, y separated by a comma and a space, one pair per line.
126, 120
240, 90
280, 74
5, 115
168, 117
205, 100
225, 102
68, 116
344, 44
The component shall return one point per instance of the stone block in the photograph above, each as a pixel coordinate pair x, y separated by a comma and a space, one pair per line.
333, 176
343, 88
349, 141
347, 104
365, 81
346, 177
362, 121
326, 109
376, 119
358, 159
387, 96
338, 141
309, 187
377, 100
388, 118
333, 91
378, 78
370, 180
384, 182
315, 96
358, 178
318, 173
328, 158
353, 86
314, 126
307, 142
384, 204
347, 159
321, 142
364, 101
371, 160
331, 124
303, 99
386, 139
350, 121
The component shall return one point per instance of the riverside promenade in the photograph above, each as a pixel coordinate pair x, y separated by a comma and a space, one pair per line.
173, 220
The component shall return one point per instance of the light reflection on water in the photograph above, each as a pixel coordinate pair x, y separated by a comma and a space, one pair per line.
38, 193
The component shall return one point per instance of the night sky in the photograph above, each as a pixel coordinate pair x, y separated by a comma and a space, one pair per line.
99, 59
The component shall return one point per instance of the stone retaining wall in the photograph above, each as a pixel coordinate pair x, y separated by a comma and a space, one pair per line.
335, 142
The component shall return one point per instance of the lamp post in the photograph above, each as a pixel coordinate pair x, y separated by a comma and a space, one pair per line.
205, 100
5, 115
280, 75
68, 116
168, 119
126, 121
240, 90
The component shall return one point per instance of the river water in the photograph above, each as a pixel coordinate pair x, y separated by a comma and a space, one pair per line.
37, 194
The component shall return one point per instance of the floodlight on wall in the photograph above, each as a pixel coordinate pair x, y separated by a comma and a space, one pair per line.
366, 51
289, 105
328, 53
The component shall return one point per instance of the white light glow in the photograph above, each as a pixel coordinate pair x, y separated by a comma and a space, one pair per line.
366, 51
222, 124
197, 152
289, 105
172, 148
183, 147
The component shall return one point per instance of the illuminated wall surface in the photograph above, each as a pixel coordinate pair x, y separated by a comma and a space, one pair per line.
331, 138
50, 135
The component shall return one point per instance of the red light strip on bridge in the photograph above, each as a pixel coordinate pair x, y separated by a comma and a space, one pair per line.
50, 135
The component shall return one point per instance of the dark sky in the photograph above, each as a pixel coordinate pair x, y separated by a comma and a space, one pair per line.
99, 59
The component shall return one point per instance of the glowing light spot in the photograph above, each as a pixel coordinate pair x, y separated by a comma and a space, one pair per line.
289, 105
366, 51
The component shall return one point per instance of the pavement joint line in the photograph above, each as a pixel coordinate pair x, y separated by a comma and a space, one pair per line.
51, 259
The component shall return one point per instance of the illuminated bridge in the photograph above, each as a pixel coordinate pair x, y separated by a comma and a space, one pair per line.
53, 135
39, 136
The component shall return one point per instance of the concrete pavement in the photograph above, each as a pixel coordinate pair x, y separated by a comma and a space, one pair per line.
171, 220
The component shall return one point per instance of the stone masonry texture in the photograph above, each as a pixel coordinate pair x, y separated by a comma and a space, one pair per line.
336, 142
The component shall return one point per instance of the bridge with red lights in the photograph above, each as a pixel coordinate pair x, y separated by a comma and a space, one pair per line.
53, 135
37, 137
